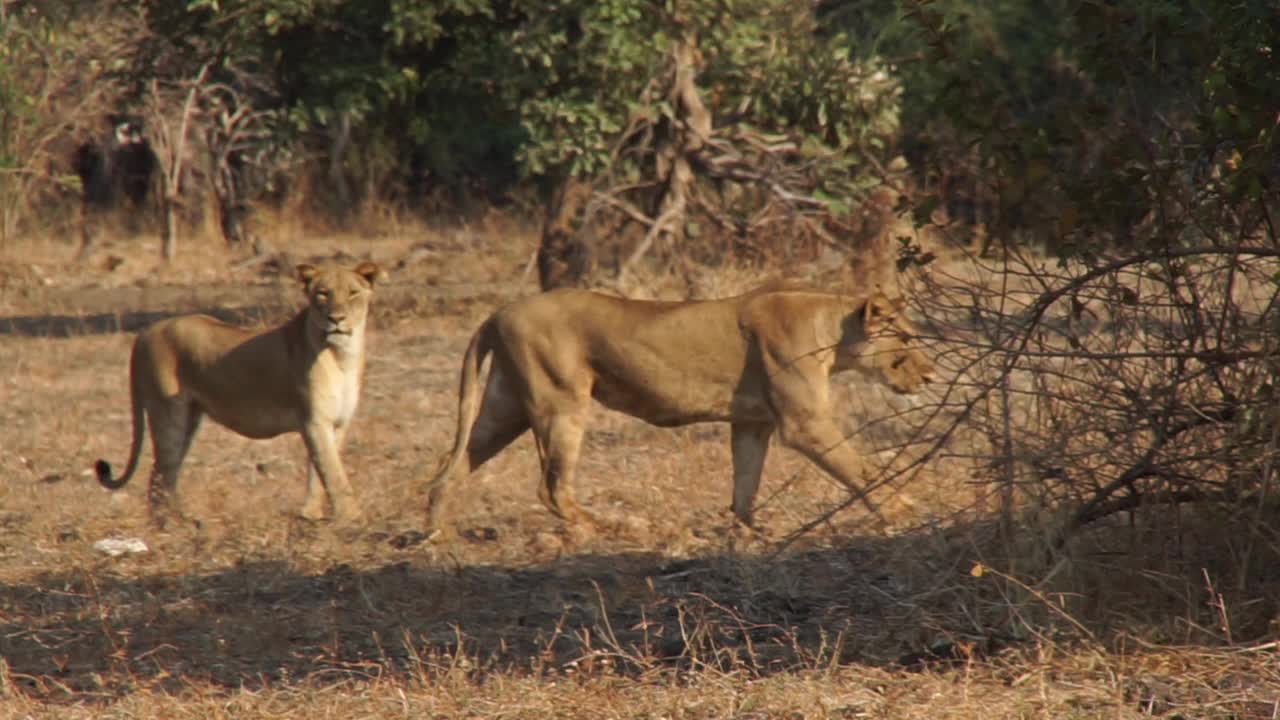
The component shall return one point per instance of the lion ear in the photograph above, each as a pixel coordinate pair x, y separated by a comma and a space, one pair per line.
877, 306
305, 273
371, 272
894, 302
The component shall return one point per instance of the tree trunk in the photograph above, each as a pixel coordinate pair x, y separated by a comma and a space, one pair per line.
170, 146
88, 221
169, 234
340, 137
686, 136
564, 258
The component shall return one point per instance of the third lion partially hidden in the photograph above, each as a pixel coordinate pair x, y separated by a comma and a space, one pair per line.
759, 361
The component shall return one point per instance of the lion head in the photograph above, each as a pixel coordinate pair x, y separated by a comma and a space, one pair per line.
338, 299
889, 347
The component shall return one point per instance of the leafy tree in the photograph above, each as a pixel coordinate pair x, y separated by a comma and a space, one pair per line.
636, 98
1137, 141
732, 114
390, 95
1083, 124
55, 86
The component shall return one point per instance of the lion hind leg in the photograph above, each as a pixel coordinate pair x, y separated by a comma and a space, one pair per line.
501, 420
174, 424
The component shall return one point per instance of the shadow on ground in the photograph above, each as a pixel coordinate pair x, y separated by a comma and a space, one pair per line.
81, 633
63, 326
116, 310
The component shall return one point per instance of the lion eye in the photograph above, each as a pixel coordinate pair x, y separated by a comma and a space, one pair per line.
897, 362
354, 294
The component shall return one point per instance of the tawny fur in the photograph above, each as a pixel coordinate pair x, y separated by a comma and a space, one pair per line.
760, 361
304, 376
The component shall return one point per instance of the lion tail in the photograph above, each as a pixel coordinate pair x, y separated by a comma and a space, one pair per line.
102, 467
469, 396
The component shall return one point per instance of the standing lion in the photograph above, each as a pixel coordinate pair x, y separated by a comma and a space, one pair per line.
304, 376
760, 362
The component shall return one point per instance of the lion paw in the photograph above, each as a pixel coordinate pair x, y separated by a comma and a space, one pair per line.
348, 514
311, 514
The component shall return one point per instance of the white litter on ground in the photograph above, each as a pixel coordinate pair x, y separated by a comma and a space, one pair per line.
120, 546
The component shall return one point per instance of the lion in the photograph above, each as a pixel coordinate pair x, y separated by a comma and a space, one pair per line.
303, 376
759, 361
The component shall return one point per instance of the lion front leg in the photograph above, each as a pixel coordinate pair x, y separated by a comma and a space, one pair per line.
801, 402
822, 442
313, 505
750, 445
559, 441
323, 441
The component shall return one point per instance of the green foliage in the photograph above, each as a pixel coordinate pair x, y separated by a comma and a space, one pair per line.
32, 51
1078, 120
462, 88
595, 71
772, 68
583, 69
416, 80
1240, 93
54, 84
14, 102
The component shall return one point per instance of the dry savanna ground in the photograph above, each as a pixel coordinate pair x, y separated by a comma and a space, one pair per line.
670, 612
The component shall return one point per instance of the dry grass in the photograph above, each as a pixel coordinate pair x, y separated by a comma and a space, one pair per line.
671, 613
